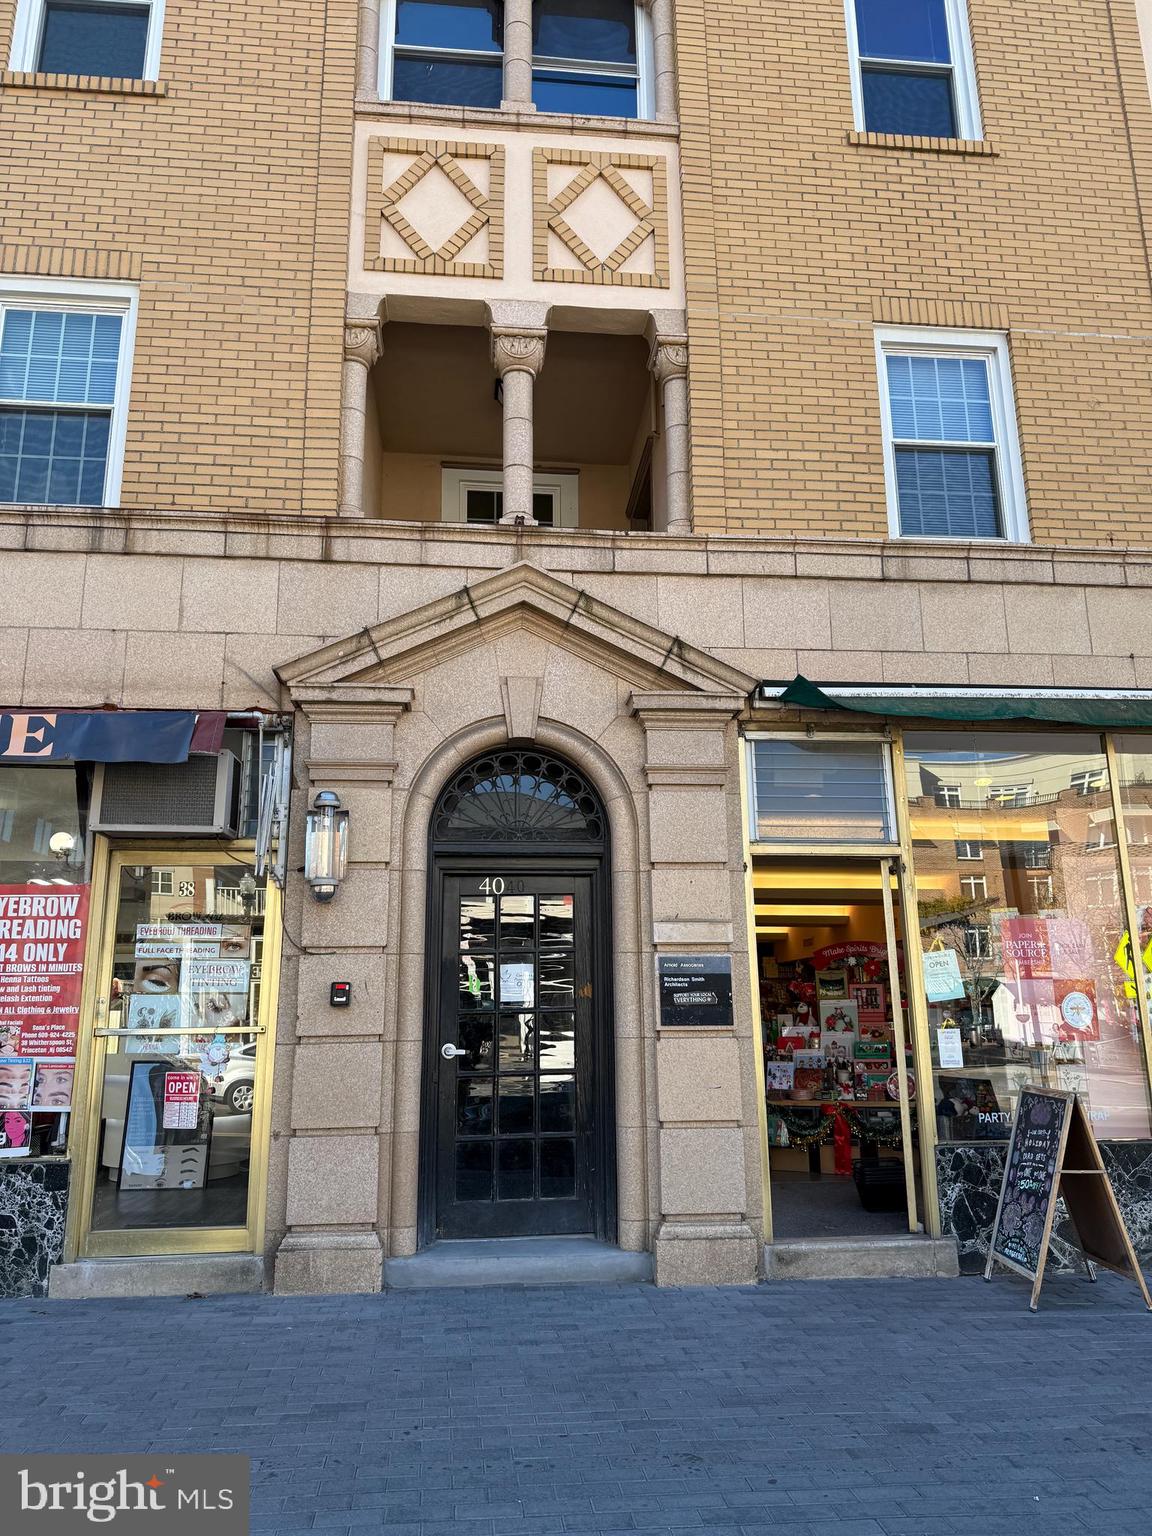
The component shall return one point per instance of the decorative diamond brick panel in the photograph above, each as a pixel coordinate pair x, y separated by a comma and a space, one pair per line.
600, 217
435, 208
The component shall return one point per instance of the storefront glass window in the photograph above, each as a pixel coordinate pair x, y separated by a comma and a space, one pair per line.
179, 1082
820, 792
1026, 972
43, 923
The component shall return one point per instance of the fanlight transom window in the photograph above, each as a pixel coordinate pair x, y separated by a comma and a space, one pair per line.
519, 796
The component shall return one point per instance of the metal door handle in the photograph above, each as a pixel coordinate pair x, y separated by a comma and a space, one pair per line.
450, 1052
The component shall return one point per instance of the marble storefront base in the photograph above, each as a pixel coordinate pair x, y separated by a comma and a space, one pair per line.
969, 1177
33, 1203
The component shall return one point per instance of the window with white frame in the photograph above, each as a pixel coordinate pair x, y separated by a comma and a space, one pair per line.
446, 52
978, 942
119, 39
952, 454
974, 887
65, 364
476, 496
912, 68
1092, 781
968, 850
948, 795
589, 57
163, 882
1010, 796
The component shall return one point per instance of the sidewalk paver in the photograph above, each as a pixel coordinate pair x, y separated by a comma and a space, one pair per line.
880, 1408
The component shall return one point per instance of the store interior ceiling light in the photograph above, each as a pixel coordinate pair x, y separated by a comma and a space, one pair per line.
804, 912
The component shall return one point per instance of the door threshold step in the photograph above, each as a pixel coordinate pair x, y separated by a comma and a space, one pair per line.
204, 1274
518, 1261
862, 1258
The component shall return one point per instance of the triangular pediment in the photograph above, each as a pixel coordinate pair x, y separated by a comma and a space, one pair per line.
522, 597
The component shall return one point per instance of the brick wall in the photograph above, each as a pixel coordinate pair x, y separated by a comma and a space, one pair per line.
226, 194
801, 240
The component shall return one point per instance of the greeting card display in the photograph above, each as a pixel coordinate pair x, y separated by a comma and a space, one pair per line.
779, 1077
839, 1030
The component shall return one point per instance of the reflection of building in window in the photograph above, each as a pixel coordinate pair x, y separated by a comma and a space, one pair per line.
1101, 834
966, 849
1042, 890
974, 887
948, 794
162, 882
1035, 855
1103, 890
978, 943
1090, 782
1010, 794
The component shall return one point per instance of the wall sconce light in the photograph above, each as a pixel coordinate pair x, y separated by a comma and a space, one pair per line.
326, 845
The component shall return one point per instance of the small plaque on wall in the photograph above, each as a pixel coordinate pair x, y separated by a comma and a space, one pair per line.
695, 991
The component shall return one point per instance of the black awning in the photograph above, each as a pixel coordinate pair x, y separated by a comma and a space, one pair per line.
107, 735
1099, 708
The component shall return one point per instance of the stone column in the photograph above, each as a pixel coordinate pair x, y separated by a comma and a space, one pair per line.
338, 1123
518, 356
518, 56
706, 1089
368, 58
361, 352
663, 59
669, 364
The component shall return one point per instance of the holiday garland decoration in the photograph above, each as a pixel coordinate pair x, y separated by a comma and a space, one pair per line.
864, 1129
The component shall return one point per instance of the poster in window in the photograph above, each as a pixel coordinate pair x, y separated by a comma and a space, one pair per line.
15, 1132
155, 1157
42, 938
52, 1088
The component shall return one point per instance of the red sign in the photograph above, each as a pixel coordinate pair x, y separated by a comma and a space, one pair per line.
181, 1101
1027, 951
42, 935
1076, 1003
834, 954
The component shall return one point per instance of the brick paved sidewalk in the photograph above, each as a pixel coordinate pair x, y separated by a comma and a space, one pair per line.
883, 1408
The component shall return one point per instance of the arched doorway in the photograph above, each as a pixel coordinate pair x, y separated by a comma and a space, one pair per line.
518, 1133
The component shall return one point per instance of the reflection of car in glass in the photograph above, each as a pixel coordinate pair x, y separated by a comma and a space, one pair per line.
235, 1086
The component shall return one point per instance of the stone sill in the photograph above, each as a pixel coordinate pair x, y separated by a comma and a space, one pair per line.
99, 85
911, 141
310, 536
487, 118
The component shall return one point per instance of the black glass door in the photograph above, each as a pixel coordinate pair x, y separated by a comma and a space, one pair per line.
515, 1143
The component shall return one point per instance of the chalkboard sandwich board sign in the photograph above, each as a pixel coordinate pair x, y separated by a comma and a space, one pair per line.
1053, 1153
695, 991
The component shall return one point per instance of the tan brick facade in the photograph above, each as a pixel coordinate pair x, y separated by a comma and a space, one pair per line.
224, 191
802, 234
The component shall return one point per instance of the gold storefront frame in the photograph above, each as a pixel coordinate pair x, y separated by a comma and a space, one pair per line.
81, 1242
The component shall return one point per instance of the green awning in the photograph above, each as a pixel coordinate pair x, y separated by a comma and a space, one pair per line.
1097, 708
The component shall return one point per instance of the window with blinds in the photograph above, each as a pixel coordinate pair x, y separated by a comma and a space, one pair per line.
821, 792
58, 378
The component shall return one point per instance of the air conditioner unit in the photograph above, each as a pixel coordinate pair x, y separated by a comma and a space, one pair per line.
199, 798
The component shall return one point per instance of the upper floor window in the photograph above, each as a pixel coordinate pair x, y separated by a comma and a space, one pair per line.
450, 52
589, 57
952, 454
586, 57
64, 368
475, 496
912, 69
117, 39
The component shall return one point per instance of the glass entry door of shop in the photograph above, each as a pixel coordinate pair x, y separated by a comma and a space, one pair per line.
840, 1082
180, 1060
516, 1145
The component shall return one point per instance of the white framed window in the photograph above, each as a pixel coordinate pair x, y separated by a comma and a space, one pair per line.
163, 882
65, 371
1010, 796
968, 850
476, 496
978, 942
912, 68
590, 57
948, 795
442, 52
119, 39
974, 887
951, 449
1091, 781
